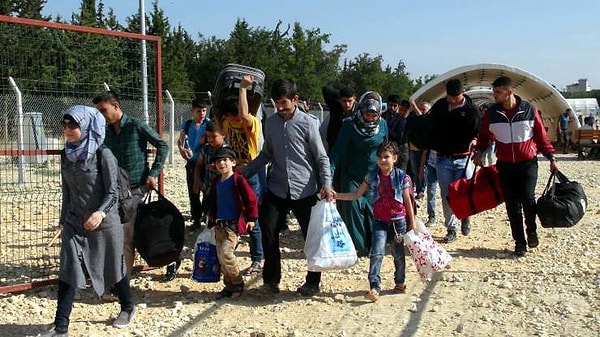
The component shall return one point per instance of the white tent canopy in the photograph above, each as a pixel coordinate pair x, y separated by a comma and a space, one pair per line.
477, 80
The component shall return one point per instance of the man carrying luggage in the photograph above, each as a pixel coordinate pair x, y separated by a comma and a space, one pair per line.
519, 134
128, 137
454, 123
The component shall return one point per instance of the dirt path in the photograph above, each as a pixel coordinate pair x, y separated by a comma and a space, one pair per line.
553, 291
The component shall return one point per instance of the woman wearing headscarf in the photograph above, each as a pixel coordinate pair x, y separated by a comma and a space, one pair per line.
92, 234
352, 156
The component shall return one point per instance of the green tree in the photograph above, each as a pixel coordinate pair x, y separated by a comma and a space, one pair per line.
30, 9
6, 7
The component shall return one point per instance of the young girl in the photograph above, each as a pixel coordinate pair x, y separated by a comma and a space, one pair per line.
393, 215
231, 197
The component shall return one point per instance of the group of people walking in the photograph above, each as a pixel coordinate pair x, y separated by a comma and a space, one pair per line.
359, 156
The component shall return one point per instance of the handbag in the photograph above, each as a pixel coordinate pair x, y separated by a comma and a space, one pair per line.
328, 243
562, 204
428, 256
158, 231
206, 262
482, 192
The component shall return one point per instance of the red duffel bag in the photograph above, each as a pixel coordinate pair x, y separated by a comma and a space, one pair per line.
480, 193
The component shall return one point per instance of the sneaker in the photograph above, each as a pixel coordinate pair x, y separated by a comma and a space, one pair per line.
465, 226
430, 222
520, 250
372, 295
400, 288
450, 236
53, 333
255, 268
532, 240
271, 288
124, 319
308, 289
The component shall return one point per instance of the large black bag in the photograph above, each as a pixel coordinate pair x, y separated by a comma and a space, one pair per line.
562, 204
226, 92
159, 231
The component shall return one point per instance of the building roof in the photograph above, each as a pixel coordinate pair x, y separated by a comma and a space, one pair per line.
477, 80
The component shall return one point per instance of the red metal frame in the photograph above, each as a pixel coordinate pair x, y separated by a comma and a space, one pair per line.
159, 112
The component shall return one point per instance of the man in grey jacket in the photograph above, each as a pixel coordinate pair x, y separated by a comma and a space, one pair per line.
299, 165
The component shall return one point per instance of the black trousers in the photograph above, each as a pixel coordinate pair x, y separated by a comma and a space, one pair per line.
518, 182
272, 216
66, 296
195, 205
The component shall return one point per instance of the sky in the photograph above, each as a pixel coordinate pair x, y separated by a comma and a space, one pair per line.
558, 41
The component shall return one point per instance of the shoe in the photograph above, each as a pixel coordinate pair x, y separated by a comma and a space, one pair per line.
532, 240
465, 226
520, 250
308, 290
420, 196
430, 222
54, 333
255, 268
271, 288
400, 288
225, 293
124, 319
450, 236
171, 272
196, 225
110, 295
372, 295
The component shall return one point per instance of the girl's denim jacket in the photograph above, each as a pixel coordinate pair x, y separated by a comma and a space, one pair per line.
397, 176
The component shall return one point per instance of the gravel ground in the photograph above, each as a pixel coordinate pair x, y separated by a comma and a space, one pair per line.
553, 291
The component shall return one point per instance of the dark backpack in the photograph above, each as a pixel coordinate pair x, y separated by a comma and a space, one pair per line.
126, 200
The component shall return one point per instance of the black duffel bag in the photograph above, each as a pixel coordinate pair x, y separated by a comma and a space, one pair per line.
563, 202
158, 231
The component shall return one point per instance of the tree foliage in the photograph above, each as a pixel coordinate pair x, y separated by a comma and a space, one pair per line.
192, 64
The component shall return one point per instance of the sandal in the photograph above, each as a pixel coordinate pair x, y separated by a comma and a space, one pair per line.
372, 295
400, 288
254, 268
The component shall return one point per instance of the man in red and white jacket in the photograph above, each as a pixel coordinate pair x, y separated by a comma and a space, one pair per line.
519, 133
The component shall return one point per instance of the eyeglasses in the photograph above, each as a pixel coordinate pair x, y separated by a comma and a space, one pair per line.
71, 125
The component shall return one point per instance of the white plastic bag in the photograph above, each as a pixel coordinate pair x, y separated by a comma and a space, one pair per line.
328, 244
206, 262
427, 254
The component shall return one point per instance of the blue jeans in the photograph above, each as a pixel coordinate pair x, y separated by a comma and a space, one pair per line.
449, 170
415, 164
381, 233
431, 180
256, 247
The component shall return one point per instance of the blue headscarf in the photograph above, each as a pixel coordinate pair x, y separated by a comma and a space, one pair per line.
369, 101
93, 126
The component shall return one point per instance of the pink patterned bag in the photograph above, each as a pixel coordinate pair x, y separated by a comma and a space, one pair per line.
427, 254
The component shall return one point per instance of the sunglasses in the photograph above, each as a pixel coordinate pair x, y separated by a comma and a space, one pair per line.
71, 125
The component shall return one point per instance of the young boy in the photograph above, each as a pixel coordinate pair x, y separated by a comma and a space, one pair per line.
191, 139
232, 200
205, 170
241, 129
393, 215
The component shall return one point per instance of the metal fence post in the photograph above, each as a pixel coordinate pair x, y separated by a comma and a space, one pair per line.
21, 145
172, 126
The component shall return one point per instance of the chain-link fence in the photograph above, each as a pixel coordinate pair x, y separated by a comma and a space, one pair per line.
44, 69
